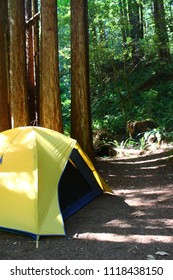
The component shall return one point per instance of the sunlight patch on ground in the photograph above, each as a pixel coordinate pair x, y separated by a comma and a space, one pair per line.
146, 197
138, 176
142, 159
109, 237
118, 223
149, 223
152, 167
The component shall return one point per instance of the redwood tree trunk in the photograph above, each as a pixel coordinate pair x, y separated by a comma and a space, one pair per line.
36, 60
80, 92
123, 21
50, 103
31, 85
161, 31
4, 106
18, 84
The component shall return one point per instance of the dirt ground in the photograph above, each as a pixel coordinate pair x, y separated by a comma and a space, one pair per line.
133, 223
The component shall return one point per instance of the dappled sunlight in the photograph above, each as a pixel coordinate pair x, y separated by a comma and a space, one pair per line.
137, 176
146, 185
158, 223
18, 168
24, 183
13, 142
146, 197
137, 238
152, 167
4, 140
140, 160
118, 223
148, 223
138, 218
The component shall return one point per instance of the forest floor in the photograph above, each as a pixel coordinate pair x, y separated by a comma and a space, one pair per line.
133, 223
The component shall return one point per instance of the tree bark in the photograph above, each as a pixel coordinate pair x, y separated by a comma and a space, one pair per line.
136, 28
31, 86
37, 58
80, 90
18, 84
50, 103
4, 90
161, 31
124, 21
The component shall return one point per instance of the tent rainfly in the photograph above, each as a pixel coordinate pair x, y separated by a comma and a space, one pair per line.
44, 178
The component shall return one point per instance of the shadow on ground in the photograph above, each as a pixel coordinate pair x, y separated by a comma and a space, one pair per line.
134, 222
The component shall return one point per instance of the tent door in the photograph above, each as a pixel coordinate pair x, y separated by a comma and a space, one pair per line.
77, 185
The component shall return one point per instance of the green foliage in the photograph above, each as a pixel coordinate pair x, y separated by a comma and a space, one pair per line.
64, 59
129, 143
122, 86
155, 135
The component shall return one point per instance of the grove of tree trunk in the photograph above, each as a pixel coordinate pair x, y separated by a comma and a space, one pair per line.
50, 103
4, 90
18, 80
80, 91
161, 31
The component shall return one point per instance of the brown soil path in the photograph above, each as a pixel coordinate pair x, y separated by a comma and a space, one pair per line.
134, 223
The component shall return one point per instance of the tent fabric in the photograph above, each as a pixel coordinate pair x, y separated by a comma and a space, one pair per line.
44, 178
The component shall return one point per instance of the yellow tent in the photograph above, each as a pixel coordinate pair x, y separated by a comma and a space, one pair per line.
44, 178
